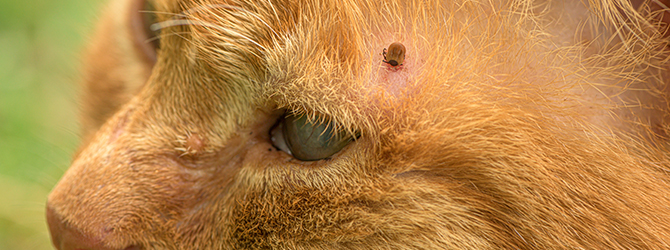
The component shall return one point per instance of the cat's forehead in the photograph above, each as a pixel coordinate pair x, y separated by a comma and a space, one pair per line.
327, 58
323, 53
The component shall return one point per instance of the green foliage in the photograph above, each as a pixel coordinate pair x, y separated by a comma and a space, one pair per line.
40, 43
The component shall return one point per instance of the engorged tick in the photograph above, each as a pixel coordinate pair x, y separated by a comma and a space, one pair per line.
395, 55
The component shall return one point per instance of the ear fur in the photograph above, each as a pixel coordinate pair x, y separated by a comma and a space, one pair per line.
124, 54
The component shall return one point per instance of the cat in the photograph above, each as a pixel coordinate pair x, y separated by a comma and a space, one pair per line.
239, 124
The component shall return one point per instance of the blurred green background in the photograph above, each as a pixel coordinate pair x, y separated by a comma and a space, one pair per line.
40, 44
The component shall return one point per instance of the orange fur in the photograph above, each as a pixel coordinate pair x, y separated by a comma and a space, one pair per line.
511, 125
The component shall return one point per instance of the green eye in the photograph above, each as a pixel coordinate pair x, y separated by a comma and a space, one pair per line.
308, 141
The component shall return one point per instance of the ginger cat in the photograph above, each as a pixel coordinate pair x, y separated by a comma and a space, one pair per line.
408, 124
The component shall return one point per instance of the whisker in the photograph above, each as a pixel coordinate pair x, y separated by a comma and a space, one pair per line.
188, 13
230, 7
161, 36
182, 22
164, 13
169, 23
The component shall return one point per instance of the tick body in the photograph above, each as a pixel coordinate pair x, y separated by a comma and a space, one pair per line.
395, 54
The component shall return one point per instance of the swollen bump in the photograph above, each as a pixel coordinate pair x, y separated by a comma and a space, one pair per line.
194, 143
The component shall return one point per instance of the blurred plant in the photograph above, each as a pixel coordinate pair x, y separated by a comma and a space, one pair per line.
40, 41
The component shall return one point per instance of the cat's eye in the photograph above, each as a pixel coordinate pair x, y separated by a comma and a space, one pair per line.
308, 140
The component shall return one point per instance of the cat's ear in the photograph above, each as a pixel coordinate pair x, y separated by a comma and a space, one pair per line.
146, 37
124, 42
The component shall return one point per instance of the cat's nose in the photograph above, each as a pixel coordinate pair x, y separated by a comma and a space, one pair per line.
67, 237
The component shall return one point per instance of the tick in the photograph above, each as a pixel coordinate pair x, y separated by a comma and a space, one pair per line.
395, 55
